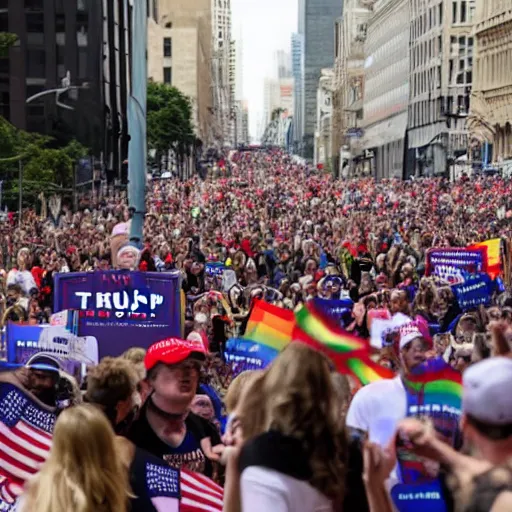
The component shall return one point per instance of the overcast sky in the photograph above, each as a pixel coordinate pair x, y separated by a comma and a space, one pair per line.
265, 26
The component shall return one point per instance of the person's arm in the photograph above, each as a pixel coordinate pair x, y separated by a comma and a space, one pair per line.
378, 464
257, 493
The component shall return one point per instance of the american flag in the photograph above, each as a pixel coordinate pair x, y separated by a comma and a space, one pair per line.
25, 441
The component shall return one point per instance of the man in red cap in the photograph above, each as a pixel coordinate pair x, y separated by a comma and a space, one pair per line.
166, 426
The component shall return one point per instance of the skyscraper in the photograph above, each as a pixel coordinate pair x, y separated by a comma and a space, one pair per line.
298, 93
316, 25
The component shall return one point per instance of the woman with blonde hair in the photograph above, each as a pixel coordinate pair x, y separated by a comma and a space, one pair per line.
83, 472
293, 456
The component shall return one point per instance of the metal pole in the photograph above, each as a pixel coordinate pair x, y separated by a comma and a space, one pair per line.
137, 121
75, 192
20, 191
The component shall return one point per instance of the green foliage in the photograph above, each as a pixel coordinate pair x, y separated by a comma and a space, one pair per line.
169, 118
45, 169
6, 41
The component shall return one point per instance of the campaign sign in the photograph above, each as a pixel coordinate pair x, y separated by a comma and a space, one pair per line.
340, 311
122, 309
455, 263
476, 290
24, 341
244, 355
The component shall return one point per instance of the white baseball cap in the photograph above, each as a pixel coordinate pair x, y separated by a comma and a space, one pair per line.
486, 395
408, 333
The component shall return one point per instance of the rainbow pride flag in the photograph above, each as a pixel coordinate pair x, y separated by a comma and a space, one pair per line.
437, 383
270, 325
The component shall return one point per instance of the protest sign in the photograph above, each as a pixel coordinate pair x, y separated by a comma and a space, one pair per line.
455, 264
122, 309
340, 311
24, 341
384, 330
476, 290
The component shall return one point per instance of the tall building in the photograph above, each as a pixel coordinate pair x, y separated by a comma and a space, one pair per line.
386, 88
286, 95
323, 132
349, 36
316, 25
180, 54
441, 63
87, 41
271, 98
298, 93
490, 120
283, 62
221, 50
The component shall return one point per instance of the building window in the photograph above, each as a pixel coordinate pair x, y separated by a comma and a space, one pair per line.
168, 75
36, 64
167, 47
463, 11
454, 12
35, 22
441, 13
34, 5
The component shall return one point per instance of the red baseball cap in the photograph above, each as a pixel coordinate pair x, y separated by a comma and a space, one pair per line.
173, 351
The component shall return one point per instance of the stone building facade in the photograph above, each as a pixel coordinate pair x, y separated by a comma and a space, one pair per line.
348, 86
180, 54
386, 88
441, 62
490, 120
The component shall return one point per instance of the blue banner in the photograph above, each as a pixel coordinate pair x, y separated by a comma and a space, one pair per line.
248, 355
454, 264
476, 290
122, 309
340, 311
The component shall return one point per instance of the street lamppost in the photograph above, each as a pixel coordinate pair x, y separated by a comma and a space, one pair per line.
58, 92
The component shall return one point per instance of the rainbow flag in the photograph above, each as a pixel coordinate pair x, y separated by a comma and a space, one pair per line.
275, 327
320, 327
350, 354
270, 325
437, 383
493, 255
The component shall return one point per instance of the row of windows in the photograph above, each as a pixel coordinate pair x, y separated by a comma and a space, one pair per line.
425, 81
167, 47
431, 111
463, 11
460, 73
427, 21
424, 51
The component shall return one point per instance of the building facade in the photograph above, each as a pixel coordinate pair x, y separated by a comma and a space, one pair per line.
490, 120
298, 93
441, 63
316, 25
323, 132
221, 52
348, 89
180, 54
85, 41
386, 88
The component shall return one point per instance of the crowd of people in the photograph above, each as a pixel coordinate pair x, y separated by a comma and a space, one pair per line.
295, 436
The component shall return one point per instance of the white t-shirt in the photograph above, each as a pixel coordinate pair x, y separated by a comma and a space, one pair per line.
264, 489
376, 409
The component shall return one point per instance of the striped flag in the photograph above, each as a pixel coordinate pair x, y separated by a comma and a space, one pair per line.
199, 493
25, 439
